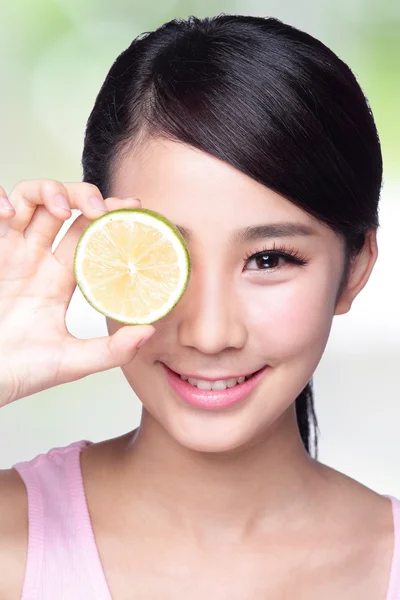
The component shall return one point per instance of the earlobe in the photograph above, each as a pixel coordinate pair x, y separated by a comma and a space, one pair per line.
360, 272
342, 307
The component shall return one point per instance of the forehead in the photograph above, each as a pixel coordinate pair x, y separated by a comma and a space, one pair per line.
196, 190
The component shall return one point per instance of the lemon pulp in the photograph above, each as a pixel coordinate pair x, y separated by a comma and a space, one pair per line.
132, 265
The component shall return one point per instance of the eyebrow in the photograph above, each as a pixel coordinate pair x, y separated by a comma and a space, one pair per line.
251, 234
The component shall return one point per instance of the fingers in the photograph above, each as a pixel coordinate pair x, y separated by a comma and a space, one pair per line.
6, 212
6, 208
57, 198
65, 251
84, 357
43, 227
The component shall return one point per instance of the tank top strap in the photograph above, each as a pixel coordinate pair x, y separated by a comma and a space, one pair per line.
62, 560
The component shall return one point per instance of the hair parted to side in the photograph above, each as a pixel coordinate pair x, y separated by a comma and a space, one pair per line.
265, 97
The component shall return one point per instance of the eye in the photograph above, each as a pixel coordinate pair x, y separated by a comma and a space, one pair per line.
268, 259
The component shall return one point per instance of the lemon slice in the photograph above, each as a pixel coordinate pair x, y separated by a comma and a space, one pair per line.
132, 265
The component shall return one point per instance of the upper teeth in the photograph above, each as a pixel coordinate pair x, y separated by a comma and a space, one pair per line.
221, 384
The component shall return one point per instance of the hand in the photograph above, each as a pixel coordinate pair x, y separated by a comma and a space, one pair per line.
36, 285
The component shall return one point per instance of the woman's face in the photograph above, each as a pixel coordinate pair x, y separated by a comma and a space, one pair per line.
238, 314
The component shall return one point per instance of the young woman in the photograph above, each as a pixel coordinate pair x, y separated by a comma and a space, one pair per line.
257, 141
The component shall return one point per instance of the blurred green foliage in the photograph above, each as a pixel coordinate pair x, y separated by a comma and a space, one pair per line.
54, 55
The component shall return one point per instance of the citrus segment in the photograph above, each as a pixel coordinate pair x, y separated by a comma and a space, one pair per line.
132, 265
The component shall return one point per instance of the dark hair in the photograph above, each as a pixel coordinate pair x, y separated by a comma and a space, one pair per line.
265, 97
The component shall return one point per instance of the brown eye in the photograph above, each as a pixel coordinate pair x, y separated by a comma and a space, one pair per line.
265, 261
268, 260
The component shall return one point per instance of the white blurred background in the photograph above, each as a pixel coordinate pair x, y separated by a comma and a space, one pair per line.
54, 57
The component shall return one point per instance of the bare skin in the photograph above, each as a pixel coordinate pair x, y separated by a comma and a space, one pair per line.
339, 545
344, 553
197, 504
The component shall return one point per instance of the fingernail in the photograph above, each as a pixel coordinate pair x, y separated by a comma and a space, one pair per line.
131, 199
144, 340
5, 204
62, 202
98, 204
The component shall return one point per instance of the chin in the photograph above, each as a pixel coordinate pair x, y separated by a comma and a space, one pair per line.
208, 445
217, 435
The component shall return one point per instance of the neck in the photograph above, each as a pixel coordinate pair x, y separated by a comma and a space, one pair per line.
258, 488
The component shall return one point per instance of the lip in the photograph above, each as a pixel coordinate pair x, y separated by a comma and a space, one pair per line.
213, 399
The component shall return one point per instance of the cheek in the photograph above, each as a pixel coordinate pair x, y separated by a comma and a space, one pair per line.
291, 318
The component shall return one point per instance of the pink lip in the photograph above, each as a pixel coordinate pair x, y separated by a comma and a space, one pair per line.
212, 399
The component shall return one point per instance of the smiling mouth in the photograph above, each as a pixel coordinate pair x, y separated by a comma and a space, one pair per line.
218, 384
214, 394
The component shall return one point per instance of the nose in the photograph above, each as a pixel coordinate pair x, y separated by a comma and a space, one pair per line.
210, 315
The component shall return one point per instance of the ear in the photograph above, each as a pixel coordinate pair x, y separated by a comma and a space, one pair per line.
361, 269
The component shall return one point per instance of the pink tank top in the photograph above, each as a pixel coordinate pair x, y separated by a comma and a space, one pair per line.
63, 562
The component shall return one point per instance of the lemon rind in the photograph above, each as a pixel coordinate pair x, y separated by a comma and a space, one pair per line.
167, 229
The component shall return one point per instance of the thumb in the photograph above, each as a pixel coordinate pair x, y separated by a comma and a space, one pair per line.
85, 357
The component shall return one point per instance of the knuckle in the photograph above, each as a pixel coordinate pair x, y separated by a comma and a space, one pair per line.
20, 184
50, 187
23, 183
91, 190
46, 186
19, 188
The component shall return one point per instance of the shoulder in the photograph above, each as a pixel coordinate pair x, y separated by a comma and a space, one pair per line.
363, 531
13, 534
45, 474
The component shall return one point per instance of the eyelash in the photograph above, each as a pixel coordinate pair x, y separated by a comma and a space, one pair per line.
291, 255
